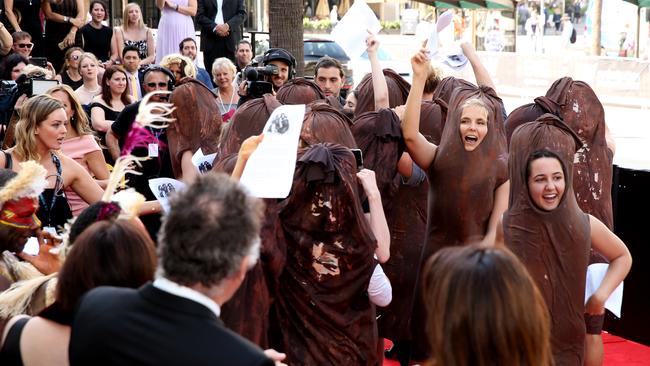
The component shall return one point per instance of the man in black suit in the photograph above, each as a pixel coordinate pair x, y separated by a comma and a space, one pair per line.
209, 239
220, 22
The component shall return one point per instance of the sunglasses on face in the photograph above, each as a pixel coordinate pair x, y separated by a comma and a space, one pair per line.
25, 45
160, 85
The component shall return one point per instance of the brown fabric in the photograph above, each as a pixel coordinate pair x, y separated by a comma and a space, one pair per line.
553, 245
446, 87
398, 91
249, 120
324, 123
194, 127
299, 91
581, 110
323, 307
529, 113
407, 224
379, 137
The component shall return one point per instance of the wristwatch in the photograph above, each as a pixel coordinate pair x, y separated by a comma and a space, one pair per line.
66, 19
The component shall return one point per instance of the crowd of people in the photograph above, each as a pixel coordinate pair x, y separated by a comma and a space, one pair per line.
463, 235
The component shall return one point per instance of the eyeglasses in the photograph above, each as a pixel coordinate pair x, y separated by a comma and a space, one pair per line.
25, 45
75, 57
160, 85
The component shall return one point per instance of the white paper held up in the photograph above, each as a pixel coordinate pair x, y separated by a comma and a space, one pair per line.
162, 188
269, 170
31, 247
595, 274
203, 163
352, 30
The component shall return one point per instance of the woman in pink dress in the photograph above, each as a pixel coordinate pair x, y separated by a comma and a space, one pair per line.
175, 25
80, 144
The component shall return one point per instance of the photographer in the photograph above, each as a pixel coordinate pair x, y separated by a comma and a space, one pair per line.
278, 66
13, 94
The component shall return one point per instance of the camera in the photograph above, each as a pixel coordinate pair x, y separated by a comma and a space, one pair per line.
256, 77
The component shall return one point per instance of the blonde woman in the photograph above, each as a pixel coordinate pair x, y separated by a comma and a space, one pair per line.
40, 133
181, 66
80, 144
88, 66
133, 32
69, 74
223, 74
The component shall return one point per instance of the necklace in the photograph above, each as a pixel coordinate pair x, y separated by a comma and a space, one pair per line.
223, 107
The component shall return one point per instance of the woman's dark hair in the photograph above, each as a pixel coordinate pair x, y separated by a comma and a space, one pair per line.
483, 308
108, 253
103, 5
542, 153
106, 90
9, 63
90, 215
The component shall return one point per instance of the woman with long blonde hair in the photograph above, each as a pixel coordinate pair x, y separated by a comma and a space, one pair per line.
80, 143
40, 133
133, 32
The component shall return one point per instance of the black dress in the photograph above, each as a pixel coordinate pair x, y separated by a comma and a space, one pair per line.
65, 79
109, 115
54, 210
56, 32
30, 22
97, 41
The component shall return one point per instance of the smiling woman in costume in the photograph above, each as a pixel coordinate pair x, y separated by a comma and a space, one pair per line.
552, 236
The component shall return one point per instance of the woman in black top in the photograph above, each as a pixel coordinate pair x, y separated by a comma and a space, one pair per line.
64, 18
30, 22
69, 74
96, 36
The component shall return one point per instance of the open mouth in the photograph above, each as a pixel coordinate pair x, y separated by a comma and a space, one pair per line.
471, 139
550, 197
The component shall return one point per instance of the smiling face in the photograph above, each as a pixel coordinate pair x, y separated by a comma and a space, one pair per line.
546, 182
473, 126
98, 13
283, 73
73, 60
51, 132
117, 83
223, 77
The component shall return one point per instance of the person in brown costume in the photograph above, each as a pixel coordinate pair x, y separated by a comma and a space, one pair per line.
326, 316
551, 235
398, 90
194, 128
467, 172
248, 311
299, 91
578, 106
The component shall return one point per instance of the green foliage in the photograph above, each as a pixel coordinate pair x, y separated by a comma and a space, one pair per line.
320, 25
390, 25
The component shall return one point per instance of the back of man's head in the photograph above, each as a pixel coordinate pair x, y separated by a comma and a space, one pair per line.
211, 227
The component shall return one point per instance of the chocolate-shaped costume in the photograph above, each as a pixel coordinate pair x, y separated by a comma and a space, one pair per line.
553, 245
299, 91
194, 127
324, 123
446, 87
247, 312
325, 315
398, 91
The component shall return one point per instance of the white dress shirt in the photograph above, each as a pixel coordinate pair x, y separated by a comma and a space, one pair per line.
219, 18
173, 288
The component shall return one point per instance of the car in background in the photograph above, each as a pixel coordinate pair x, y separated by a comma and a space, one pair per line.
361, 67
314, 49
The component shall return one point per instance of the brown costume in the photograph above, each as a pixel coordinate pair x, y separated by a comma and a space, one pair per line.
446, 87
299, 91
553, 245
324, 123
194, 127
325, 314
398, 91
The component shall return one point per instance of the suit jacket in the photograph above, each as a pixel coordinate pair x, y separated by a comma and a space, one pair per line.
234, 13
148, 326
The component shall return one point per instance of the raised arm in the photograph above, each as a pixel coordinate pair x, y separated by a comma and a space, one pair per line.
11, 16
247, 148
5, 40
376, 218
480, 72
620, 261
421, 150
379, 86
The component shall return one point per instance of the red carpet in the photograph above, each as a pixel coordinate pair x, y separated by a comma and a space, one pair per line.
618, 352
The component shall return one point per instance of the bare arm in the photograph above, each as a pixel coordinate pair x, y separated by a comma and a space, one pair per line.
97, 165
247, 148
498, 208
190, 9
160, 4
480, 72
118, 42
82, 183
379, 86
113, 144
620, 261
5, 40
11, 16
151, 49
421, 150
376, 217
98, 119
189, 172
500, 240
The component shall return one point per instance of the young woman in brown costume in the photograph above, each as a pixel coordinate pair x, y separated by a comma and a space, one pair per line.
552, 236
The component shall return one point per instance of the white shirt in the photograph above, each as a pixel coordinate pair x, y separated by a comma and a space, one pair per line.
219, 18
173, 288
380, 290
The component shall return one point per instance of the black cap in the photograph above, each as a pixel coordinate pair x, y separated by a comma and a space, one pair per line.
279, 54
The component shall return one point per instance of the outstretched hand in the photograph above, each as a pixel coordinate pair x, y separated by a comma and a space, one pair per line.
249, 146
372, 44
368, 181
420, 62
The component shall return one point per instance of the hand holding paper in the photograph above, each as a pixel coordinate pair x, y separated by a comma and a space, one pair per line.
350, 31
